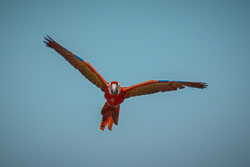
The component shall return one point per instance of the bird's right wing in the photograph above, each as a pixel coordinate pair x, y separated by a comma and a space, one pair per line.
84, 67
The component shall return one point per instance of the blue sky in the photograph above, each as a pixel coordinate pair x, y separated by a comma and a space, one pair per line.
50, 114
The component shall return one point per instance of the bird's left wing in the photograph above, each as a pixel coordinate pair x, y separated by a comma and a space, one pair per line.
155, 86
84, 67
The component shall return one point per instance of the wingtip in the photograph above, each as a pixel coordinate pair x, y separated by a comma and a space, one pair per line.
48, 41
48, 38
204, 85
201, 85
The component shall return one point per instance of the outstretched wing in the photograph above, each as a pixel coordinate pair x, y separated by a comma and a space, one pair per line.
155, 86
84, 67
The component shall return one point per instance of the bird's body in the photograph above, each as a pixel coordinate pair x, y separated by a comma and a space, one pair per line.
114, 100
110, 110
113, 93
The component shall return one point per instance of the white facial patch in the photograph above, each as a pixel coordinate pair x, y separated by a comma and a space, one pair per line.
113, 88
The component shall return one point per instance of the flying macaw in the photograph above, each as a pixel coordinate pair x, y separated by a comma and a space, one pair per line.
113, 92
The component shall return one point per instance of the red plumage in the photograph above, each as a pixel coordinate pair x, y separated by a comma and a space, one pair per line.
114, 94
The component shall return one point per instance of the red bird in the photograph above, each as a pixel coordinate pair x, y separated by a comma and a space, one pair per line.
114, 94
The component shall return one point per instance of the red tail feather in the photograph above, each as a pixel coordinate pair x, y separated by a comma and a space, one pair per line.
110, 115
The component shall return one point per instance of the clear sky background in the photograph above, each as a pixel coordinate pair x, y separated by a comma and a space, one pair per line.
50, 114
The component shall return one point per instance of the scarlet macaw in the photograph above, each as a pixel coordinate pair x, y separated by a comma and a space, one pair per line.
113, 93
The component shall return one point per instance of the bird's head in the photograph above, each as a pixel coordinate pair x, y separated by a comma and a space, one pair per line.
114, 87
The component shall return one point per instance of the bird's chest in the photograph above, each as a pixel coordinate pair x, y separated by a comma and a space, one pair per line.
114, 100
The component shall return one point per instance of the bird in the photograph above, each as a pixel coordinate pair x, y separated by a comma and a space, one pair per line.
113, 92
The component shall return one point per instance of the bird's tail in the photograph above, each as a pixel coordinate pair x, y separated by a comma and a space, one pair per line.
110, 115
